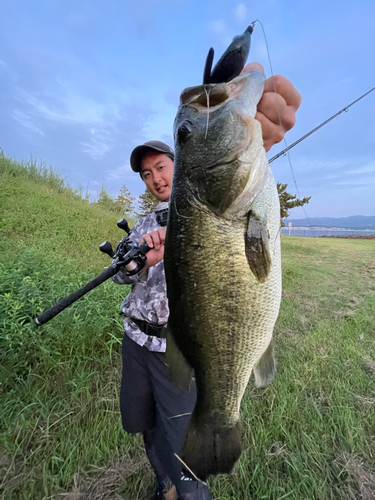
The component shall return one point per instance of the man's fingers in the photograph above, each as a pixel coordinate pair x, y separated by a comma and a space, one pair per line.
255, 66
285, 88
154, 239
162, 231
274, 107
272, 132
276, 111
147, 239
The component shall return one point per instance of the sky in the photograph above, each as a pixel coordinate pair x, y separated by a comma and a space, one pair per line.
84, 82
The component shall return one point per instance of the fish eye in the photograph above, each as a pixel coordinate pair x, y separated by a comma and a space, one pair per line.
184, 130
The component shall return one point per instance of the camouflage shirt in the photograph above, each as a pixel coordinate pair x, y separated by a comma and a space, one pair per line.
147, 300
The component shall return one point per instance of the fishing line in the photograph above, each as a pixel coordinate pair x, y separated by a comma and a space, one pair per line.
286, 152
208, 108
191, 472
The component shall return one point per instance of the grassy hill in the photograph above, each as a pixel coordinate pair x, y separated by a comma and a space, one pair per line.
310, 435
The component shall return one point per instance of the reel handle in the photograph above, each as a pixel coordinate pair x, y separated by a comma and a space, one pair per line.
106, 247
123, 224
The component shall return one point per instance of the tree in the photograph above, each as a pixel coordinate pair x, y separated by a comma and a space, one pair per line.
288, 201
147, 203
124, 203
105, 200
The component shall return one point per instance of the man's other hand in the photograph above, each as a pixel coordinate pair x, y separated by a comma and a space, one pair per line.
154, 240
277, 108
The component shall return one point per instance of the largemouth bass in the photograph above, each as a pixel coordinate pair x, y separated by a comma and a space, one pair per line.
222, 263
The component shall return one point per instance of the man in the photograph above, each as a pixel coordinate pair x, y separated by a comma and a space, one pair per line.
149, 402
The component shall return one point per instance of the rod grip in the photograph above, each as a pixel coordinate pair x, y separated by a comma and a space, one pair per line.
144, 248
67, 301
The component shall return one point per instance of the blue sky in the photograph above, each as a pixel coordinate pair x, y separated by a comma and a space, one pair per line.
84, 82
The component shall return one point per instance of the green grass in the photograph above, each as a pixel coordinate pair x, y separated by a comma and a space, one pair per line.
310, 435
39, 210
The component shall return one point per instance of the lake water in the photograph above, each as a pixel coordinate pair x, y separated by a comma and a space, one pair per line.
298, 231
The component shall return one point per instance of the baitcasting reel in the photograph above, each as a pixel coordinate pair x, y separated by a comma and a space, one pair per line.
130, 258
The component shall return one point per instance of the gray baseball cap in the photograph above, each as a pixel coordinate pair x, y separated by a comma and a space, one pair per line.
147, 147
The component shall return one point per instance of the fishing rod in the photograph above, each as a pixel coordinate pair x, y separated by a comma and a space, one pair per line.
127, 257
345, 109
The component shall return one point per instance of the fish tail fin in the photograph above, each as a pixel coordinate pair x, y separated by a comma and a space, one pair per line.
265, 369
209, 450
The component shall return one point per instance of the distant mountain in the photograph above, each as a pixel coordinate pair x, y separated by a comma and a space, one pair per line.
353, 222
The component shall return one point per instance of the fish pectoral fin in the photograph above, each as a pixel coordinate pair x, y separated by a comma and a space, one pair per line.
257, 248
179, 371
265, 369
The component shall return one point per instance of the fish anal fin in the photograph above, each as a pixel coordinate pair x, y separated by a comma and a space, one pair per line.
257, 248
179, 371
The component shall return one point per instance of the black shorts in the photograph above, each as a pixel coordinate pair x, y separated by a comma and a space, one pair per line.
148, 399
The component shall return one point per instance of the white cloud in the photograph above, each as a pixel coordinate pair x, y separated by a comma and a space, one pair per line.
26, 121
219, 26
69, 108
99, 143
64, 106
325, 175
240, 12
96, 148
119, 172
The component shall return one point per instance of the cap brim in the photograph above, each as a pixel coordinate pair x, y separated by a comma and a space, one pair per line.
138, 153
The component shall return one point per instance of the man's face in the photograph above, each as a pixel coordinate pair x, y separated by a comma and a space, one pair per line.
157, 174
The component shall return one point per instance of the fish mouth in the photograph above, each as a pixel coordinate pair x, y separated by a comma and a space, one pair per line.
214, 95
241, 94
205, 96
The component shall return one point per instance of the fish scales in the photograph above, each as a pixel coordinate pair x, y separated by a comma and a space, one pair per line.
222, 310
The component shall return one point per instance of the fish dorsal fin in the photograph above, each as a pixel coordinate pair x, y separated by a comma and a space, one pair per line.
257, 248
179, 371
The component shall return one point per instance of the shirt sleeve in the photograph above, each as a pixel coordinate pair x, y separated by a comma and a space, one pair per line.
122, 278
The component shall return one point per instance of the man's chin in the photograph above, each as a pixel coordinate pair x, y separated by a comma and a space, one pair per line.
162, 196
